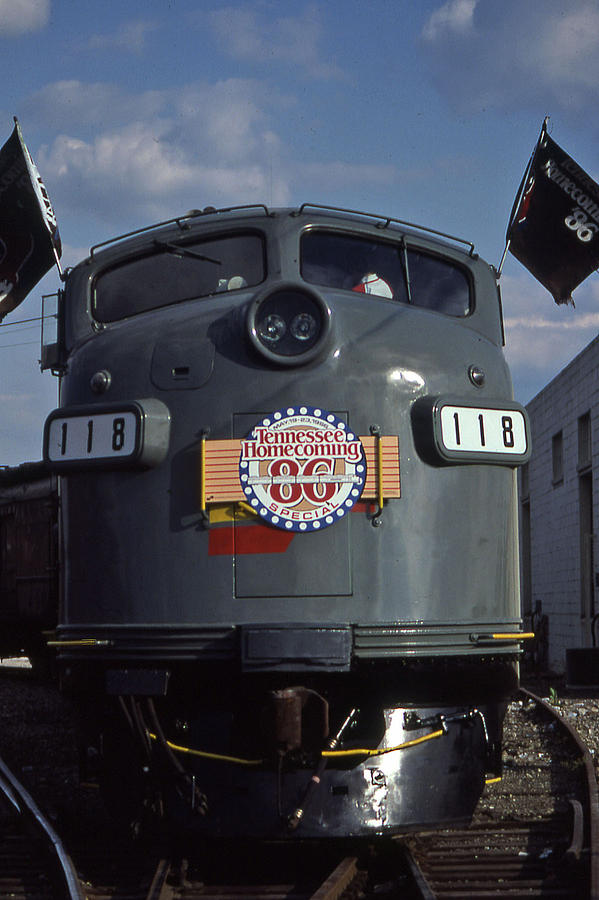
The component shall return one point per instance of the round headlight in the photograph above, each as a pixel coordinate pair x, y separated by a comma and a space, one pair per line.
272, 328
304, 327
288, 324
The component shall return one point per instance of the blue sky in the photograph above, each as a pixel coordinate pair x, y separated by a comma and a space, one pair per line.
428, 111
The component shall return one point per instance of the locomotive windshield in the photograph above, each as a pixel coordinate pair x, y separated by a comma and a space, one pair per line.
386, 270
175, 272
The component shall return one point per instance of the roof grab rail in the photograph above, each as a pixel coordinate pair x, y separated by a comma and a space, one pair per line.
385, 221
181, 221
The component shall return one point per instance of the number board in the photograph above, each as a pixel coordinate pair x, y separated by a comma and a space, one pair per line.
469, 433
93, 436
474, 429
108, 436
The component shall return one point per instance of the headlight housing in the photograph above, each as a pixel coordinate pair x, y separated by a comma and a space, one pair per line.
288, 324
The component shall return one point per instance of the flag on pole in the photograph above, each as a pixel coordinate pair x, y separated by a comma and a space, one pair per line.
29, 239
554, 226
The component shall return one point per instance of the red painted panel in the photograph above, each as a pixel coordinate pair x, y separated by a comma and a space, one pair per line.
249, 539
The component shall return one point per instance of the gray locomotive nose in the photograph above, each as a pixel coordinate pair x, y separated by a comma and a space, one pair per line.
245, 393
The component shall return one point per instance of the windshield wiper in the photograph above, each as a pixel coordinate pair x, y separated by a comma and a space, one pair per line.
406, 271
176, 250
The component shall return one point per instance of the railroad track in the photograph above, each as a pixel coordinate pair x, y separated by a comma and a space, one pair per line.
251, 873
549, 852
33, 860
329, 888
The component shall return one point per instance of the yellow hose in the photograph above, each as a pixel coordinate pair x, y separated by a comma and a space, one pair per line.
327, 754
205, 755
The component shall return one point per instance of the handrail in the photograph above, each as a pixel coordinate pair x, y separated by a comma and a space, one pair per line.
178, 220
385, 221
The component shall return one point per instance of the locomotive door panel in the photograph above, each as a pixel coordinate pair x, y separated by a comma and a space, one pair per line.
313, 565
290, 565
183, 358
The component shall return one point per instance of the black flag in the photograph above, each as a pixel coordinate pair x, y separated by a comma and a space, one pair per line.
29, 239
554, 227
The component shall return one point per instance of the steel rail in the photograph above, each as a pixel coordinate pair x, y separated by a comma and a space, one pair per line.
592, 789
167, 884
338, 880
159, 888
450, 864
25, 805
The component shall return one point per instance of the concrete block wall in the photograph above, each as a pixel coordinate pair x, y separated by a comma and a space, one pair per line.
555, 506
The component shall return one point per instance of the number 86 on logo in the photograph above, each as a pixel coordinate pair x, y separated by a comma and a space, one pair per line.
291, 492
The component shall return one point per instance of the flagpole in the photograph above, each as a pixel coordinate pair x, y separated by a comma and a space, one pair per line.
500, 267
519, 194
61, 274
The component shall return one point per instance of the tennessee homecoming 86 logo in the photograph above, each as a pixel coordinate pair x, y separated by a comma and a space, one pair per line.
302, 469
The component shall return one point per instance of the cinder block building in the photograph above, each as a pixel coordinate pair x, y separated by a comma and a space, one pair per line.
559, 513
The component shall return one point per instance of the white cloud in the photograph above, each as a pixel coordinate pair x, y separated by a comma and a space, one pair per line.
63, 105
132, 166
130, 172
541, 337
230, 118
568, 51
21, 16
130, 37
160, 153
513, 54
229, 115
296, 40
455, 16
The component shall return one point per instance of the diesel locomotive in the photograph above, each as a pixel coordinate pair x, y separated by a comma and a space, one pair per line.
286, 447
